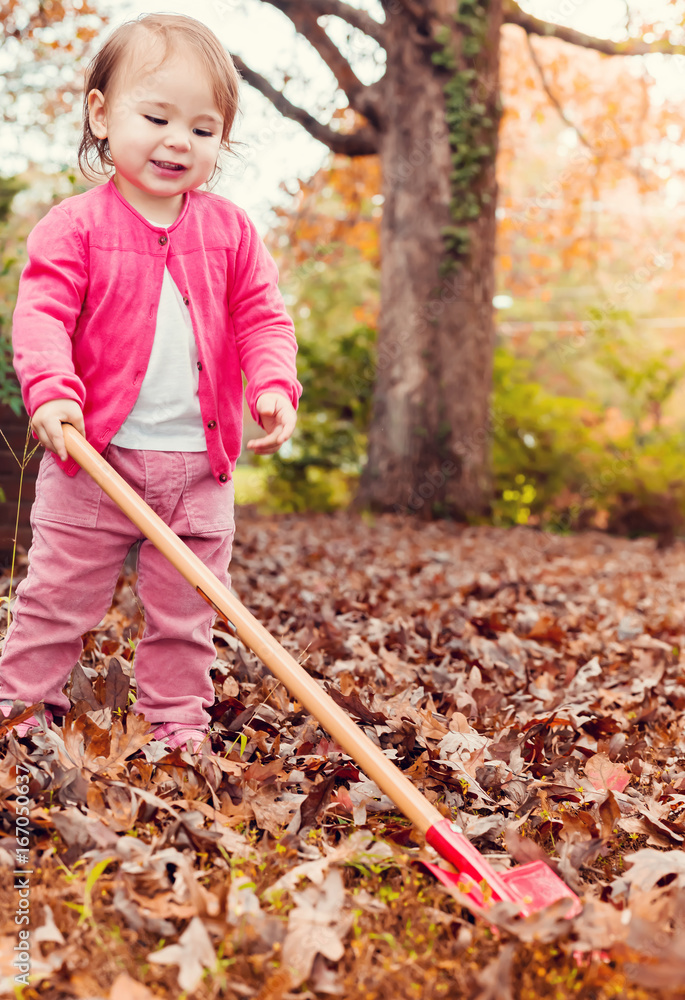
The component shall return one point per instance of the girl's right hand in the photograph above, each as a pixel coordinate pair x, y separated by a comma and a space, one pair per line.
47, 423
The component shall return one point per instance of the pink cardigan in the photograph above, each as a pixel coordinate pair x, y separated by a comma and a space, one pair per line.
86, 312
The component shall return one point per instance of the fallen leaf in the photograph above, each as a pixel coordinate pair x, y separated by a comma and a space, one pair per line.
647, 866
125, 988
604, 775
316, 926
193, 954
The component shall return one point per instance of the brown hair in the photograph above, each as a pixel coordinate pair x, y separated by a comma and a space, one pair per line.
174, 30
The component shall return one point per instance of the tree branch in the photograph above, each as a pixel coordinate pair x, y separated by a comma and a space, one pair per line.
631, 47
365, 100
552, 96
363, 142
637, 171
422, 22
357, 18
415, 9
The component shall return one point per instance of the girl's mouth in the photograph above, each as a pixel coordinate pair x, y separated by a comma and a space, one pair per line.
167, 168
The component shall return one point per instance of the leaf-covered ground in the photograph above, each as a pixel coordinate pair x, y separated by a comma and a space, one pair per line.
532, 686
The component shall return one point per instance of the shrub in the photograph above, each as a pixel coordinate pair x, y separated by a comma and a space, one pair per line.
321, 468
318, 469
611, 455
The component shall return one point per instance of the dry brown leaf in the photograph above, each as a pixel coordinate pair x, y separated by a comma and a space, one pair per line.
647, 866
192, 954
605, 775
125, 988
317, 925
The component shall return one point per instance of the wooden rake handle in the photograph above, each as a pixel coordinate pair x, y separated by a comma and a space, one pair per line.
301, 686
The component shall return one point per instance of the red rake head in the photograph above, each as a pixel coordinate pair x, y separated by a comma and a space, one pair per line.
531, 887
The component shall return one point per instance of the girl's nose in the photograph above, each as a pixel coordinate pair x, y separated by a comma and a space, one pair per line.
178, 138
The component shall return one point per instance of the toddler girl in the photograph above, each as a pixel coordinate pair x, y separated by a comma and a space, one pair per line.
141, 301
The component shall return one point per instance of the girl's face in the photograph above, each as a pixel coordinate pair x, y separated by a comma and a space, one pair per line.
143, 136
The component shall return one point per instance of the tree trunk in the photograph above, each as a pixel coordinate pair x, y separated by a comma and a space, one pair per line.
429, 450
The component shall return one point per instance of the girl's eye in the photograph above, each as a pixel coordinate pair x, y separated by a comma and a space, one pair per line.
161, 121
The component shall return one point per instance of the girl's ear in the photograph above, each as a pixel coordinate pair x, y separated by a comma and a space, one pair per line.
97, 115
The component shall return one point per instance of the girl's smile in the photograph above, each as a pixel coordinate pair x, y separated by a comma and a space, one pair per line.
163, 130
168, 169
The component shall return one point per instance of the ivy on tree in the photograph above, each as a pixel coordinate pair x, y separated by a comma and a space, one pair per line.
470, 127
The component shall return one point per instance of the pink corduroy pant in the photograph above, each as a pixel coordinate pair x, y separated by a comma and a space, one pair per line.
80, 541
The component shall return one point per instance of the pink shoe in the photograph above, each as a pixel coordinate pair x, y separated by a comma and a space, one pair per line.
28, 725
178, 734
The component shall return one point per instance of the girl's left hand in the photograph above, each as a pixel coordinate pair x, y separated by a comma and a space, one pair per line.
279, 419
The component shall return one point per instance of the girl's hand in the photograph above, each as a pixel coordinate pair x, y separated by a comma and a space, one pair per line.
279, 419
47, 423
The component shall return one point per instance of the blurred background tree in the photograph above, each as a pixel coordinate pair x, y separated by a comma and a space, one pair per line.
41, 44
587, 409
50, 35
433, 119
327, 248
586, 254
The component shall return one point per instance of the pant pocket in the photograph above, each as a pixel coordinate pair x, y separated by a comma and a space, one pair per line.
209, 505
73, 500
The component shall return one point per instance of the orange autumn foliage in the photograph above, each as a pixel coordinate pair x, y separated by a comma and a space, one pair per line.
571, 210
584, 198
339, 206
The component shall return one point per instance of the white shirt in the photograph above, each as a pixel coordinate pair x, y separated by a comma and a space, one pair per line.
166, 415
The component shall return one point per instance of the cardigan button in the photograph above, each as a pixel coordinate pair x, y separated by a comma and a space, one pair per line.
211, 424
223, 477
185, 301
162, 240
199, 366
